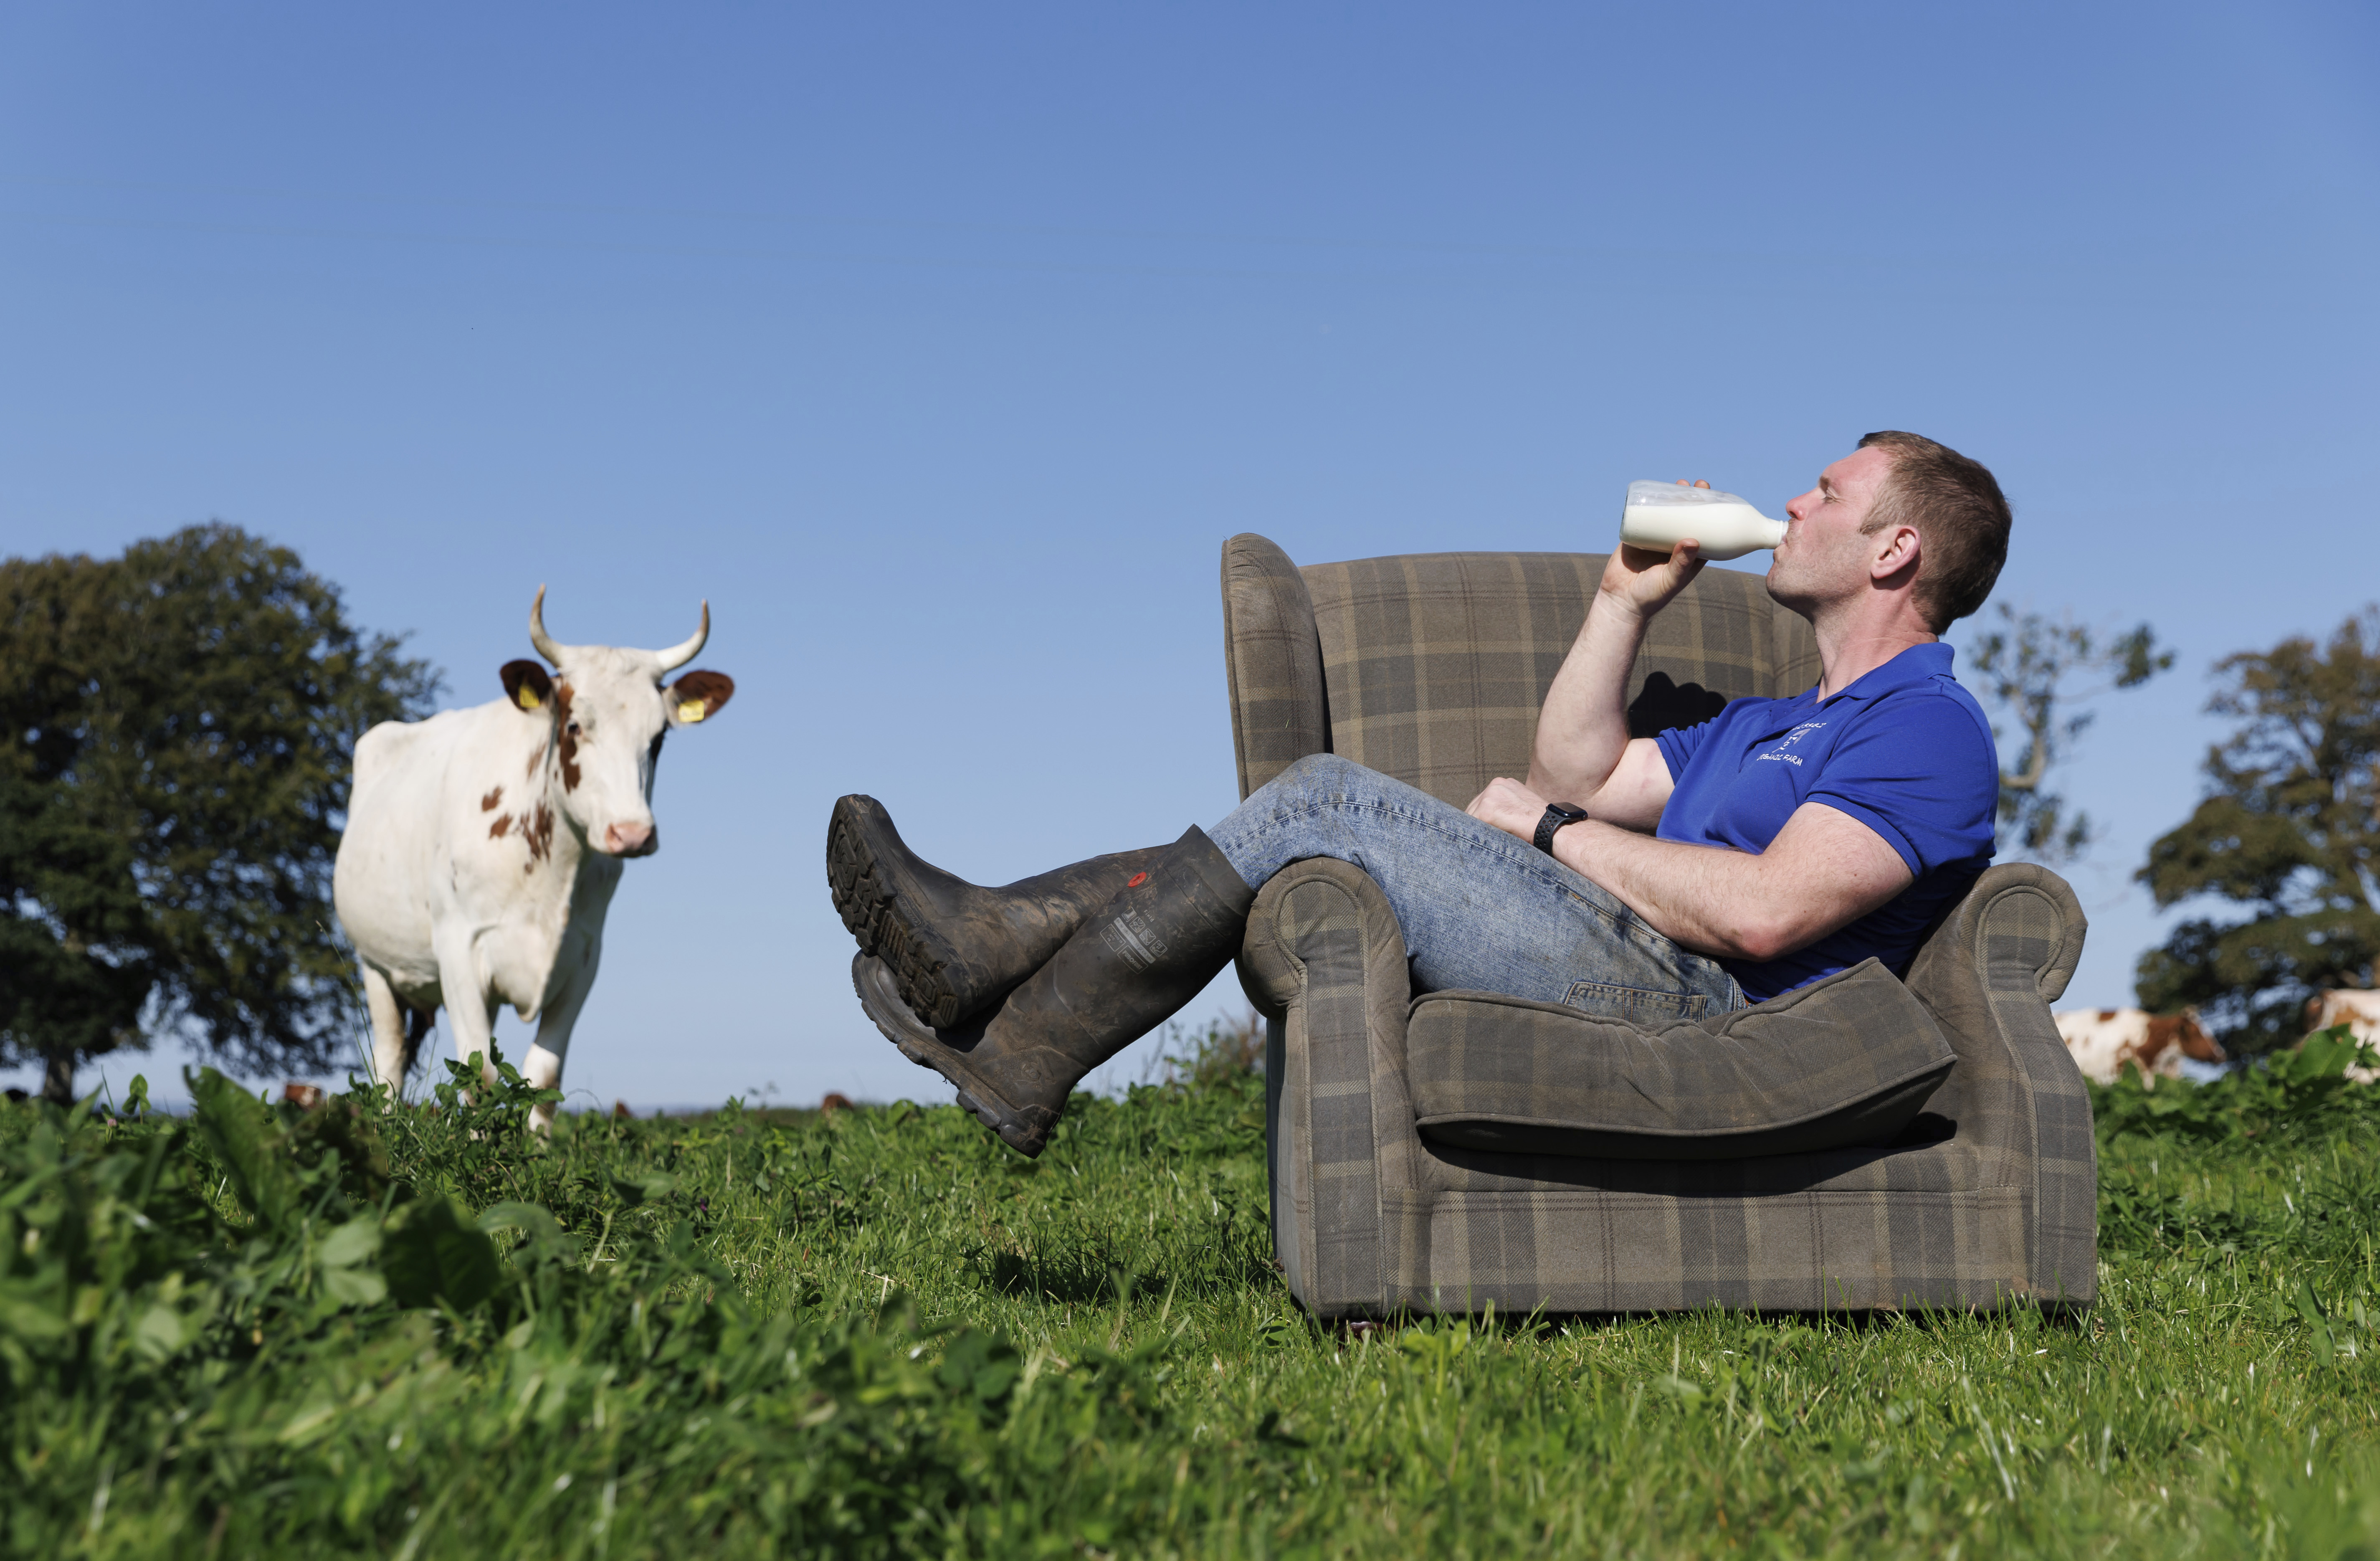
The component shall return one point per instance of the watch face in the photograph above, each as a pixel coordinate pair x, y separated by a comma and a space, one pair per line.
1566, 810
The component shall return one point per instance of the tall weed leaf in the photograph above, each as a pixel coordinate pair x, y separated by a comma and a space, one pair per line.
429, 1254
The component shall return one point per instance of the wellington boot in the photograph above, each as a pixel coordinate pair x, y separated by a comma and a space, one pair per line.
952, 947
1135, 963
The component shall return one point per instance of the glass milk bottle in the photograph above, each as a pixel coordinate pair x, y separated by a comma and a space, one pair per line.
1660, 515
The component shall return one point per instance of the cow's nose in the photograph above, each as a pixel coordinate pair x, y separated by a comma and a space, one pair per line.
629, 839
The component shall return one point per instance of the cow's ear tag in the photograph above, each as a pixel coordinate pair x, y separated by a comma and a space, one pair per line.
698, 696
527, 685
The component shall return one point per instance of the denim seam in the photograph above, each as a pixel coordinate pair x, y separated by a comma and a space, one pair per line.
1534, 861
1623, 920
1363, 818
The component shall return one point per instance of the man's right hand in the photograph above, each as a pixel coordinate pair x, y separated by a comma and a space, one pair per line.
1642, 581
1582, 745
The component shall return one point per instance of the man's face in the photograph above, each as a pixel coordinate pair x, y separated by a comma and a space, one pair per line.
1824, 556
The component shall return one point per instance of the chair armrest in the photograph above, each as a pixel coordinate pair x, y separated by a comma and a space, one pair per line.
1324, 959
1988, 975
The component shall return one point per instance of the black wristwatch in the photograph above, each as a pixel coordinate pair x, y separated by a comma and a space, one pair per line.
1557, 816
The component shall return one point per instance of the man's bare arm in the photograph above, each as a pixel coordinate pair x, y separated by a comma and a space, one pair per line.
1635, 793
1583, 754
1824, 870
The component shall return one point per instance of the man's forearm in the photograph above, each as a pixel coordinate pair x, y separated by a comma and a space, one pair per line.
1716, 901
1582, 730
1825, 870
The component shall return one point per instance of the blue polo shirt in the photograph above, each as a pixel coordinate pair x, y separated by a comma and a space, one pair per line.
1905, 750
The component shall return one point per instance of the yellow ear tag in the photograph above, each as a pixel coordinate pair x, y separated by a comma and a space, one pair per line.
527, 697
691, 711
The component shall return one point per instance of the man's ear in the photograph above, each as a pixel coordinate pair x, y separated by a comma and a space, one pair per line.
527, 685
1902, 549
697, 696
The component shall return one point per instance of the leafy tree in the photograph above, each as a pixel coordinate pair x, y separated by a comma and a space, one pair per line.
177, 727
2034, 671
2289, 828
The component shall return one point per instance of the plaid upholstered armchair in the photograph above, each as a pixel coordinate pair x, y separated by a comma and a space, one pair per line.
1432, 668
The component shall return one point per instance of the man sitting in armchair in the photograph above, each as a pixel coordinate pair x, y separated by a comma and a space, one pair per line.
1693, 873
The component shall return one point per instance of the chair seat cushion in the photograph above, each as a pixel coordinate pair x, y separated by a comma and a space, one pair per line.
1845, 1060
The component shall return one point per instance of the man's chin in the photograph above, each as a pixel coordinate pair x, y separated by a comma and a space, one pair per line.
1786, 591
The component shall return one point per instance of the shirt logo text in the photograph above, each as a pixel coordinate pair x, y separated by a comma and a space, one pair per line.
1796, 735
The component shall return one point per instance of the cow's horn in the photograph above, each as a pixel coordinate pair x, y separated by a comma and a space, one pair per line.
537, 635
678, 655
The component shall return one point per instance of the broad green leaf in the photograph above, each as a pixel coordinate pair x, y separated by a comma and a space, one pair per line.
643, 1189
29, 1319
429, 1254
351, 1243
2310, 1307
354, 1286
546, 1237
161, 1332
242, 1133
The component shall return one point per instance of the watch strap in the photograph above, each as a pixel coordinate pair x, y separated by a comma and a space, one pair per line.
1556, 815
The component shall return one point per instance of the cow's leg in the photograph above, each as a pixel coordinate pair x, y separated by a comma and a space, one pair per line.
543, 1070
390, 1054
543, 1067
470, 1006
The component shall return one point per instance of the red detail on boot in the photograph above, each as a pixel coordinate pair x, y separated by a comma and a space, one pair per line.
1137, 880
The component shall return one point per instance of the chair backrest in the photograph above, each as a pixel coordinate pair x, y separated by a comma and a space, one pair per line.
1431, 666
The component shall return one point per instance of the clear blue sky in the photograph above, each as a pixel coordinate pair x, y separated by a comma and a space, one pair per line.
942, 346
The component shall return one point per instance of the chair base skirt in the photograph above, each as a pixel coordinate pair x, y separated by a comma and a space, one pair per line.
1592, 1250
1582, 1251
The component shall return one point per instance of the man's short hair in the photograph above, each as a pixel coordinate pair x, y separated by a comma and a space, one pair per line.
1958, 508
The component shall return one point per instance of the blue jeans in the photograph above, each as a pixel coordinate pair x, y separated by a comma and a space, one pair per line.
1481, 910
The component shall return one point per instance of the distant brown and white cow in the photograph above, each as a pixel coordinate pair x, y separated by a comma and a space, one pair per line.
2103, 1041
483, 845
2358, 1011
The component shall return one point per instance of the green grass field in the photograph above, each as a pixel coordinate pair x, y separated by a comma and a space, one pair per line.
268, 1333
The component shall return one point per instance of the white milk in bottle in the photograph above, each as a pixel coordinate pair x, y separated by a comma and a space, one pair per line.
1661, 514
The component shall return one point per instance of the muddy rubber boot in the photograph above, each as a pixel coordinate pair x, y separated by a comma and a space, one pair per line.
1134, 964
955, 948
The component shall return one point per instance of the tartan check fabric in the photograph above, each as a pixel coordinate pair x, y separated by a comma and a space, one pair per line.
1272, 660
1988, 976
1435, 664
1431, 669
1846, 1060
1324, 954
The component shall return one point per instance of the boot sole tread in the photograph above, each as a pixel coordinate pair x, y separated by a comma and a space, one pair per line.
872, 912
1007, 1123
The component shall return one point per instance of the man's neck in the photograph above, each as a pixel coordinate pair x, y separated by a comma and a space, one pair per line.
1850, 647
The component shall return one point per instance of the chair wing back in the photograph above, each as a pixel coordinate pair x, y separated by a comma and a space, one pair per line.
1431, 666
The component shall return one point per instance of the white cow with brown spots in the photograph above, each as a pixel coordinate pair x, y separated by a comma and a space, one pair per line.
482, 845
2104, 1041
2358, 1010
